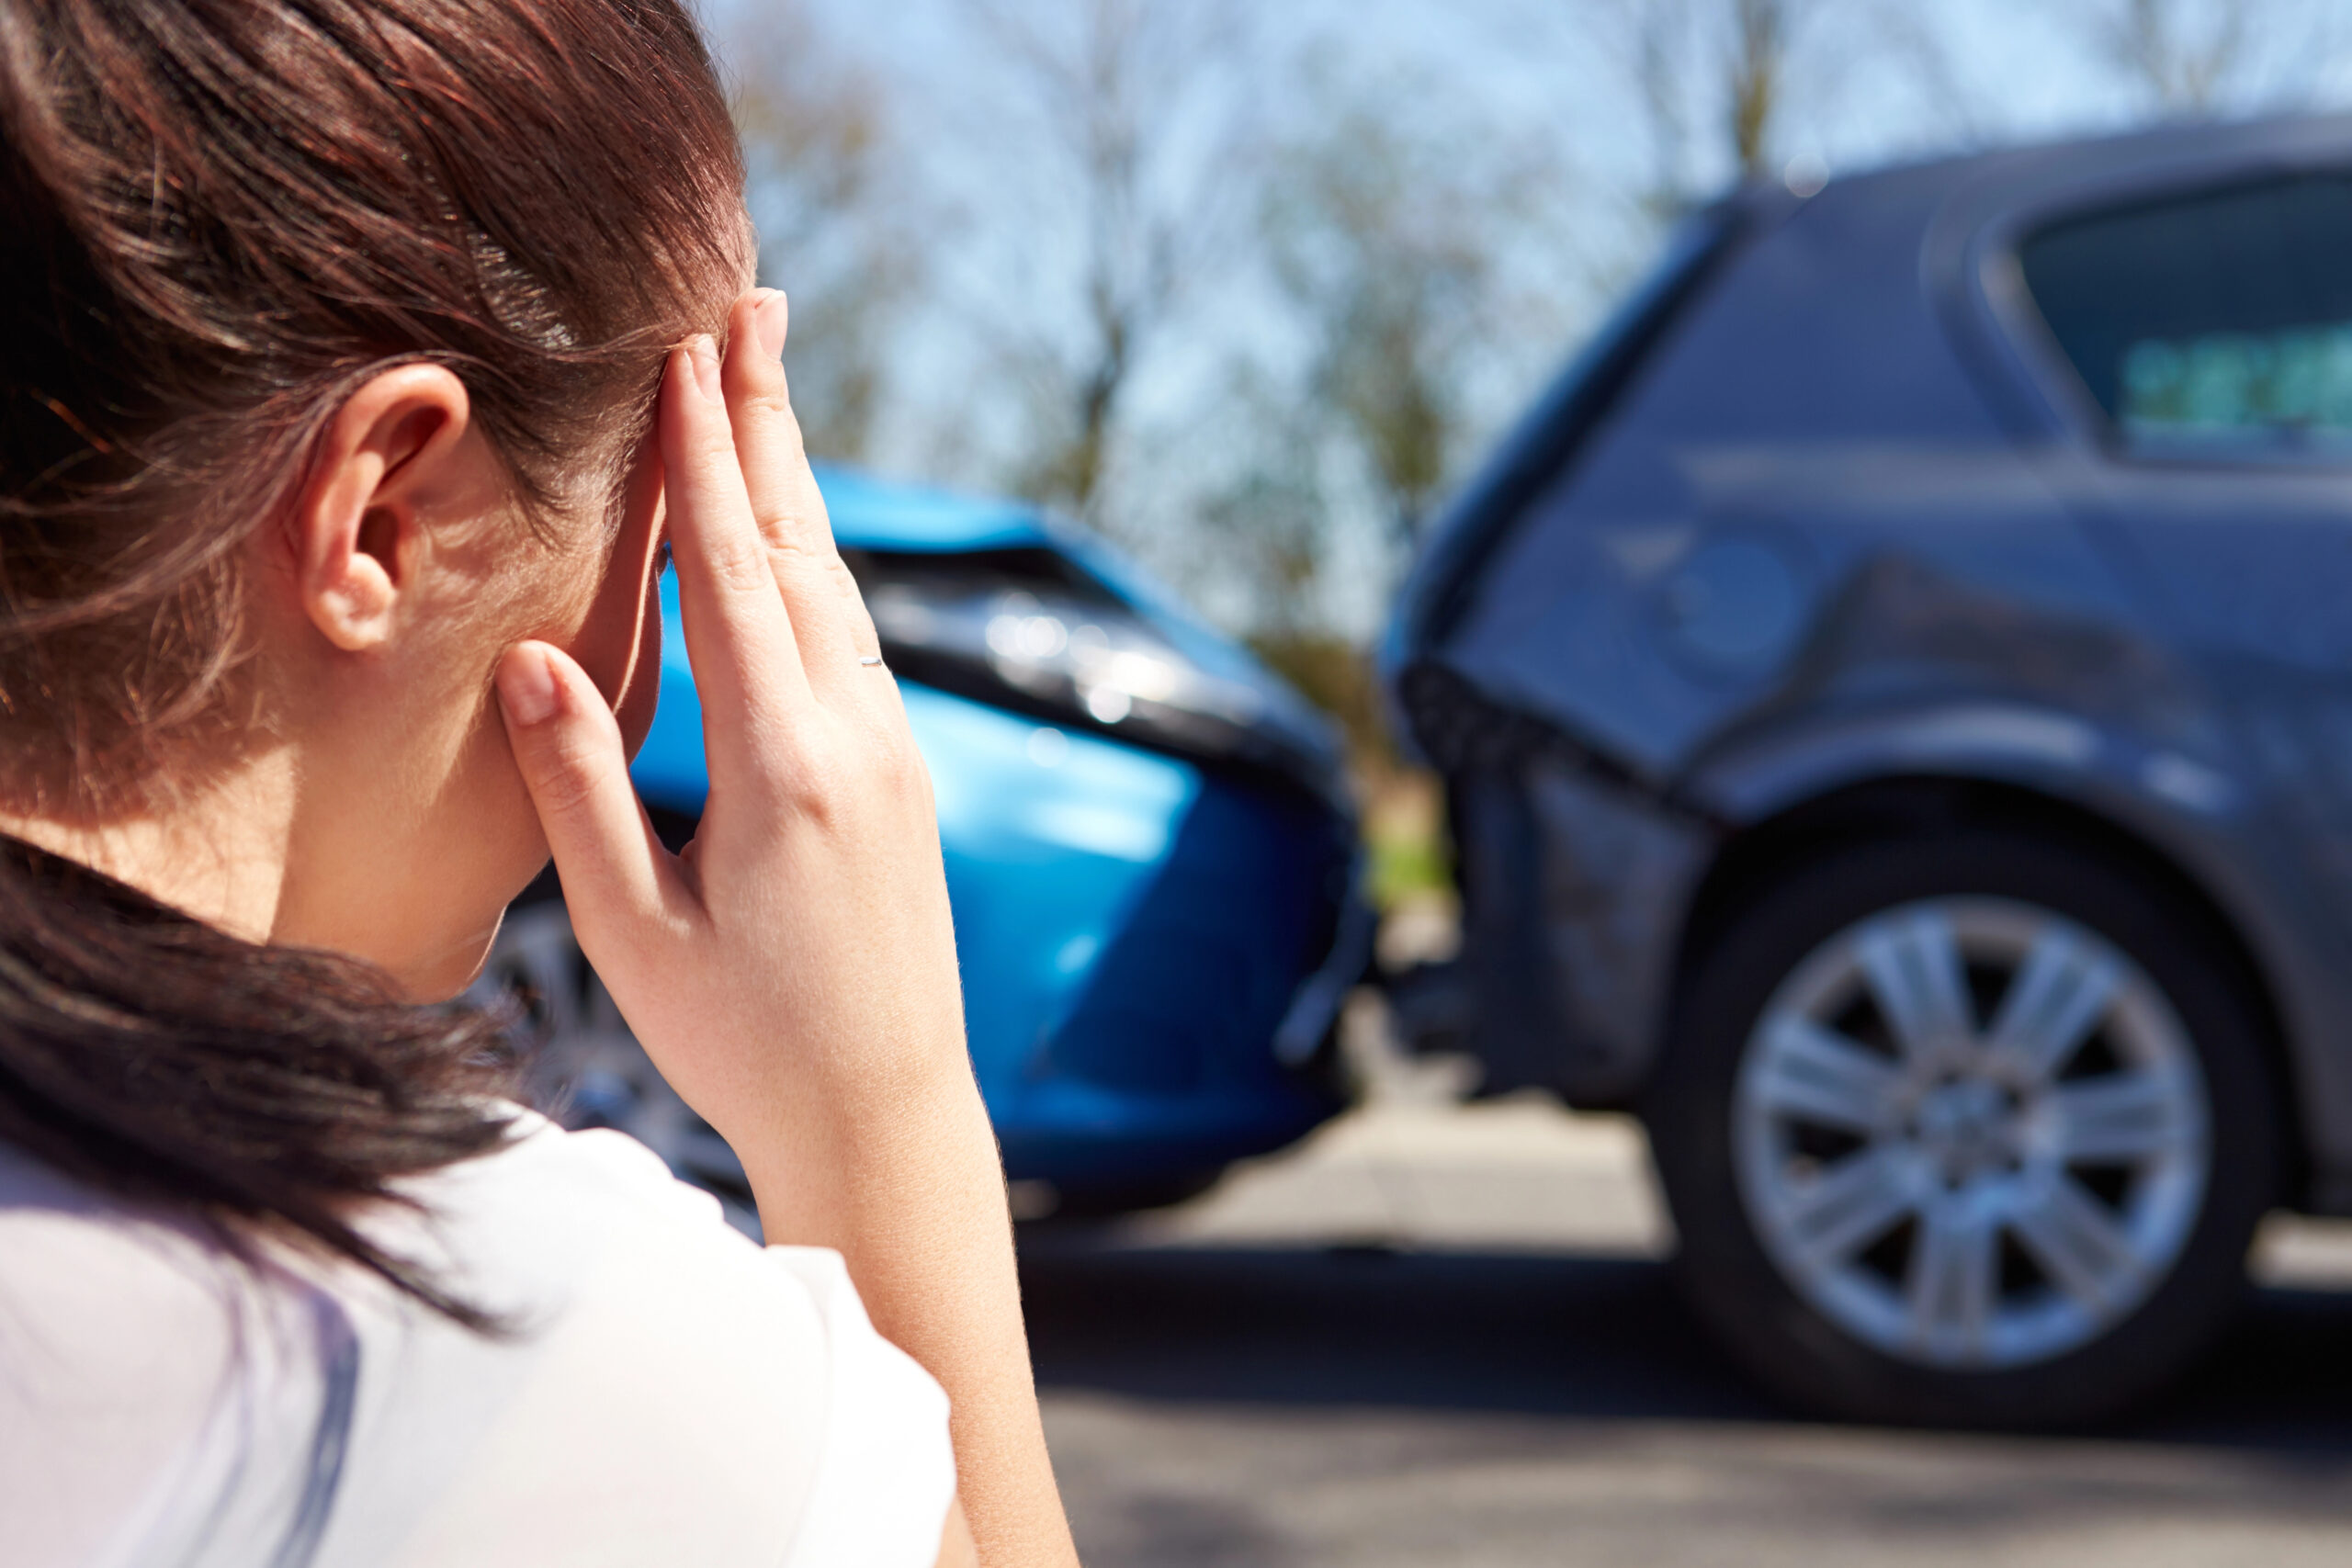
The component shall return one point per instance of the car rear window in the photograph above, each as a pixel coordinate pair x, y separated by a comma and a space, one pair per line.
2219, 320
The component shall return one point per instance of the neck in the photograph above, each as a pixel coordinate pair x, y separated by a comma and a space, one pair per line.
218, 853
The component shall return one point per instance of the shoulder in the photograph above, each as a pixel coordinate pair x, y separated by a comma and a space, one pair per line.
119, 1334
669, 1391
671, 1381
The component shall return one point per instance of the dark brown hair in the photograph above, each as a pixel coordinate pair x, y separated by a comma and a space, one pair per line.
218, 219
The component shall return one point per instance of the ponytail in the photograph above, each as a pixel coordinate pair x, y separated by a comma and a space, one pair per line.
269, 1090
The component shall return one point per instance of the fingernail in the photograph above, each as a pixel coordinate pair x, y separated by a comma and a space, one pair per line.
774, 316
526, 687
705, 354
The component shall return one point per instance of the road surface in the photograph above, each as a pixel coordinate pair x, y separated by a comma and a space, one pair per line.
1446, 1335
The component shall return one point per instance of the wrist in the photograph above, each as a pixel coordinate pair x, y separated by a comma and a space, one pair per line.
839, 1167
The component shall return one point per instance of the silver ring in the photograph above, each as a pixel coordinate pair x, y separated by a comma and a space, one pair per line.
871, 660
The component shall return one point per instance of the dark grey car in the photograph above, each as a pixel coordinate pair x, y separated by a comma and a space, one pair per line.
1895, 696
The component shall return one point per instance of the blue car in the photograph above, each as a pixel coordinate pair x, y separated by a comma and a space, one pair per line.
1151, 851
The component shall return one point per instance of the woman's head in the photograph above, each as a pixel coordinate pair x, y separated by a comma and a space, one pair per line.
334, 327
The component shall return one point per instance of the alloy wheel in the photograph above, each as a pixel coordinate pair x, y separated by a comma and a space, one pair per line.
1970, 1131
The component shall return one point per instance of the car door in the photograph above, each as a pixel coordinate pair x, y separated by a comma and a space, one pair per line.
2212, 333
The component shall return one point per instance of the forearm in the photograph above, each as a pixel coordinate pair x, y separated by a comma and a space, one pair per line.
914, 1199
792, 971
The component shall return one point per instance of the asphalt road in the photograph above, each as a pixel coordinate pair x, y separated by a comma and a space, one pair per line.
1449, 1335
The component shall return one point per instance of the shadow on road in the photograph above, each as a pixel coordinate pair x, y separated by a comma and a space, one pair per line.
1541, 1335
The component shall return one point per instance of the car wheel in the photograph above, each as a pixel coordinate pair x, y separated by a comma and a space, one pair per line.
587, 1069
1973, 1131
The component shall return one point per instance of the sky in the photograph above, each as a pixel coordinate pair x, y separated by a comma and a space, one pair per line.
1870, 82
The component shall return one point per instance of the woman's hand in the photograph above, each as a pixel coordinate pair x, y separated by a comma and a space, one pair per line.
795, 967
793, 972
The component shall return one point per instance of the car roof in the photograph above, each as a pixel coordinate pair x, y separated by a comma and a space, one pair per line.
2167, 152
1887, 295
1877, 311
881, 514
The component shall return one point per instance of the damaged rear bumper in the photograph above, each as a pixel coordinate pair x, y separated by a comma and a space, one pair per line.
1577, 876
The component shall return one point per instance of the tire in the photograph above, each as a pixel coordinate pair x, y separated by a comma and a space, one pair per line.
1878, 1145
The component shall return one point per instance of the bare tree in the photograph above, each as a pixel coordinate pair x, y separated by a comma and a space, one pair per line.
1132, 113
1720, 64
1276, 531
1384, 234
1755, 67
1722, 88
1268, 527
837, 233
2153, 41
2196, 58
1414, 280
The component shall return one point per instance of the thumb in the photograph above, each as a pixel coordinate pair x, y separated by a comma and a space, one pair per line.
568, 745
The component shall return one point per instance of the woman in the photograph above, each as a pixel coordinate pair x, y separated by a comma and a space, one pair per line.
366, 358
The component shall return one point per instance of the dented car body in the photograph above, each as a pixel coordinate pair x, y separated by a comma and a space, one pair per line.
2008, 492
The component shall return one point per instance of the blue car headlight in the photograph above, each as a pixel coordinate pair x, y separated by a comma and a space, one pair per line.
1026, 628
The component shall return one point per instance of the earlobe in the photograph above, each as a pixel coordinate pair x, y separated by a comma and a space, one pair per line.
356, 610
358, 524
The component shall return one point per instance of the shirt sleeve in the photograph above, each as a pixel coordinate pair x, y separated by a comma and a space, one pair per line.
885, 1473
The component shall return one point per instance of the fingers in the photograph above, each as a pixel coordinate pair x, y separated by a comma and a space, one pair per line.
785, 497
827, 617
568, 744
738, 636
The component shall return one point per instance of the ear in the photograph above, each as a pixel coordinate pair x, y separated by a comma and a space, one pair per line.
358, 524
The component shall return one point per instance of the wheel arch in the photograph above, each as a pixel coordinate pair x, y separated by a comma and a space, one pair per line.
1899, 806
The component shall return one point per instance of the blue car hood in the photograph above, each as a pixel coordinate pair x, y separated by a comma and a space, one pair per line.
870, 514
874, 514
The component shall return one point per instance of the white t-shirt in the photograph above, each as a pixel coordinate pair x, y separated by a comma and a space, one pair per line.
670, 1394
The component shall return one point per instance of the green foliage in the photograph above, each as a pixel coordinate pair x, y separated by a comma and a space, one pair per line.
1408, 860
1404, 832
1336, 676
